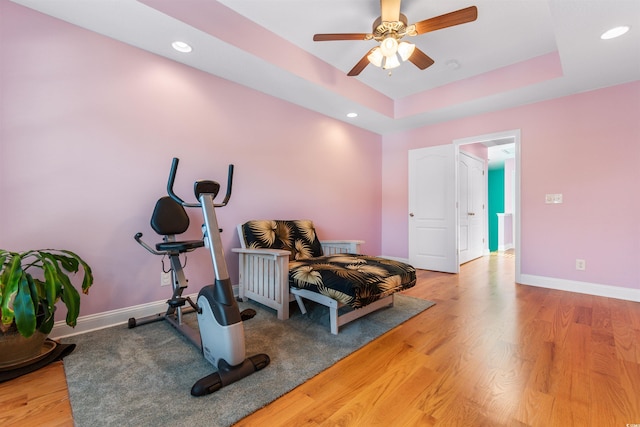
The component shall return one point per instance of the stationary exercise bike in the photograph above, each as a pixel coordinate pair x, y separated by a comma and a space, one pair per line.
220, 322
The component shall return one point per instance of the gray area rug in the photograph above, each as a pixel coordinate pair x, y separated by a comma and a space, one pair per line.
143, 376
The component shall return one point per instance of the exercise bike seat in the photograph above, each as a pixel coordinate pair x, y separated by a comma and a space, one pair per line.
169, 218
180, 247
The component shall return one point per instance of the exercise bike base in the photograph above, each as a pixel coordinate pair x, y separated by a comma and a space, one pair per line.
228, 374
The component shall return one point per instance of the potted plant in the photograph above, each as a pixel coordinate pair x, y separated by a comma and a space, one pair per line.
31, 284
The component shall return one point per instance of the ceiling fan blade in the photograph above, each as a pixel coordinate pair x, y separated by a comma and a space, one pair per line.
420, 59
458, 17
390, 10
334, 37
360, 65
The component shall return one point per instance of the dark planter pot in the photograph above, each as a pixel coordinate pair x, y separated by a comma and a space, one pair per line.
16, 350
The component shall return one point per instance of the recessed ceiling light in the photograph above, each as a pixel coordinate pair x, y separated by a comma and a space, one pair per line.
352, 115
452, 64
614, 32
181, 47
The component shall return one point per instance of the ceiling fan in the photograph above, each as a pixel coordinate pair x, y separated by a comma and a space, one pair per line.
390, 28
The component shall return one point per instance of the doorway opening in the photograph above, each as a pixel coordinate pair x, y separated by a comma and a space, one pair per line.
501, 152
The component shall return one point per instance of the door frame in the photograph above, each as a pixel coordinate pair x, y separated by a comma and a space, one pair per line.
509, 134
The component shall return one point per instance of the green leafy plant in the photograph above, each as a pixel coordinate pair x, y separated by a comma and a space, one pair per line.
29, 300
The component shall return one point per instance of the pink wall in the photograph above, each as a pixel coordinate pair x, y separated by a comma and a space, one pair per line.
586, 146
88, 129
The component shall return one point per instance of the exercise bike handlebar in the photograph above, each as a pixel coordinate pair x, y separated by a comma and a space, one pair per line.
174, 196
138, 238
227, 196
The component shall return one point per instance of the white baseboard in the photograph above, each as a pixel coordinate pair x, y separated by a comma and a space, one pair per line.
608, 291
405, 260
107, 319
616, 292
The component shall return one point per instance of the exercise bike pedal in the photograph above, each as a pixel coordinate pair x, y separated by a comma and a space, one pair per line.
177, 302
247, 314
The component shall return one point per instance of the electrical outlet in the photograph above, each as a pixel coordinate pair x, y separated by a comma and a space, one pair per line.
581, 264
165, 279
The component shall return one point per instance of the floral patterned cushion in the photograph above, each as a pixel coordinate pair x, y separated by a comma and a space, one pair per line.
297, 237
352, 279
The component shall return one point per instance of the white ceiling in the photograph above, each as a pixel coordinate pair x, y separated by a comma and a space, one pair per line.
502, 150
267, 45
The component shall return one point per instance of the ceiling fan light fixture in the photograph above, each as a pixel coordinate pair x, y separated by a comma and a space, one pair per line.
389, 46
375, 57
405, 50
390, 62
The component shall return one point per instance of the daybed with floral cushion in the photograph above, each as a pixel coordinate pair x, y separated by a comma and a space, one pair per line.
284, 260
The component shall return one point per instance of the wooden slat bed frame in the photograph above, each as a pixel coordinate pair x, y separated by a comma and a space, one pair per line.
264, 278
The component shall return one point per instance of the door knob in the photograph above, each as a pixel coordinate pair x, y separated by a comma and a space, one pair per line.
411, 214
471, 214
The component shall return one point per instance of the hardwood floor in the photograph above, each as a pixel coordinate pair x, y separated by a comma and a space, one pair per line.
489, 353
36, 399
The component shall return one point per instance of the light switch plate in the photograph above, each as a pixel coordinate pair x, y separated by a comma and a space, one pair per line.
553, 198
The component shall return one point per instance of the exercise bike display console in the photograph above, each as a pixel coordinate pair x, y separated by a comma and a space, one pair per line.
220, 322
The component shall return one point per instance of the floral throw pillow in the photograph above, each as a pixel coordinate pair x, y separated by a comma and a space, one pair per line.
296, 236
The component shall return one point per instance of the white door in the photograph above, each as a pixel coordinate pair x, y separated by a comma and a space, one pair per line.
472, 207
432, 209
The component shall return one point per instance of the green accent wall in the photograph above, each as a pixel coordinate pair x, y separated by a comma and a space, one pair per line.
496, 203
